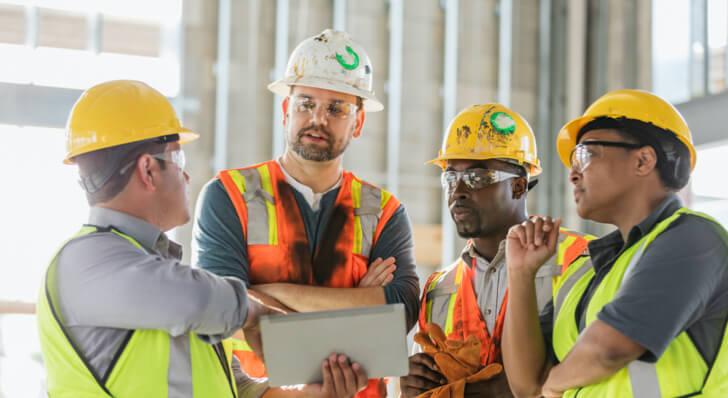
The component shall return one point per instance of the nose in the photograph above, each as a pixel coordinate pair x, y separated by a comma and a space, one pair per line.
187, 176
319, 115
461, 191
574, 177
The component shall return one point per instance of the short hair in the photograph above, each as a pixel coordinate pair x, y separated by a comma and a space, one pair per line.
99, 162
673, 157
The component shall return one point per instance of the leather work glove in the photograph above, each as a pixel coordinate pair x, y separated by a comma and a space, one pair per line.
459, 362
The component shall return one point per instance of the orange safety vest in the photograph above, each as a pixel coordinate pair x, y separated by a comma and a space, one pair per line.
464, 317
278, 249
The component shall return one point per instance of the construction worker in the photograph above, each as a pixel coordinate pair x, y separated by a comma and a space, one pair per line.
118, 315
300, 228
648, 318
488, 158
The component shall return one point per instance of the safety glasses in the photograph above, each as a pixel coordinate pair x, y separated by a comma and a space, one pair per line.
334, 110
474, 179
583, 153
177, 157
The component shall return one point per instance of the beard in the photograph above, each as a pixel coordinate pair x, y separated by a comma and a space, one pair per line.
314, 152
470, 226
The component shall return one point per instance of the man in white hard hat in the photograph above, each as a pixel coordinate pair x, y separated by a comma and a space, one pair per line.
300, 228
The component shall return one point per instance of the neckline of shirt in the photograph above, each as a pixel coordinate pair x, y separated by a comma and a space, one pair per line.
313, 199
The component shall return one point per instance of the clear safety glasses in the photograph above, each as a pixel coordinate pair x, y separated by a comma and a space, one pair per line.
474, 179
582, 154
177, 157
334, 109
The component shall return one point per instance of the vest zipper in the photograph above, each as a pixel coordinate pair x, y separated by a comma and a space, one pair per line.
220, 351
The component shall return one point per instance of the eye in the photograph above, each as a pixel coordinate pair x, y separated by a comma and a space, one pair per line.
305, 106
336, 109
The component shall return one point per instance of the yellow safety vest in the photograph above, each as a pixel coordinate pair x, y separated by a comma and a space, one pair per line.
680, 371
142, 362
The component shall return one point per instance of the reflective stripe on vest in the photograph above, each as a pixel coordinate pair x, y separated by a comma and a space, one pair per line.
256, 186
680, 371
149, 363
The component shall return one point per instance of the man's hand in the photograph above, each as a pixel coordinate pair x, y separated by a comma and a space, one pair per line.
495, 387
251, 327
341, 379
424, 375
530, 244
380, 273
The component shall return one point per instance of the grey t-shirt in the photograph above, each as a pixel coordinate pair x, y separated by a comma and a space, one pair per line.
107, 287
679, 284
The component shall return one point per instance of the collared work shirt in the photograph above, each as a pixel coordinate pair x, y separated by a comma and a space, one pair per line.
107, 286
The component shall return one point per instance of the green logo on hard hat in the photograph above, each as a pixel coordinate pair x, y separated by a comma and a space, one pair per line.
343, 63
503, 123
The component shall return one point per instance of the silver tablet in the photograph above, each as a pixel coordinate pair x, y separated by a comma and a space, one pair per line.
295, 345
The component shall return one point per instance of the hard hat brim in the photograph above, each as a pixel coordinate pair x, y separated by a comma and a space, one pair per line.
185, 136
282, 88
442, 162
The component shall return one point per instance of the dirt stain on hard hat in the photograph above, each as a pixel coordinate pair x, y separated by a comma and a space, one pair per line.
322, 38
463, 133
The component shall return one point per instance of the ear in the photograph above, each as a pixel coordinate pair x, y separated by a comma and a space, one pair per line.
284, 107
646, 160
144, 171
360, 116
519, 187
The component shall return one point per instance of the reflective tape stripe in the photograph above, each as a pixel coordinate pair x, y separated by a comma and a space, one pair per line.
270, 205
179, 372
368, 214
562, 249
238, 179
453, 298
258, 194
643, 377
633, 261
567, 285
385, 198
356, 203
433, 285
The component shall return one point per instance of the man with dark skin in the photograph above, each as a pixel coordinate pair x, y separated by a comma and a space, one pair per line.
486, 178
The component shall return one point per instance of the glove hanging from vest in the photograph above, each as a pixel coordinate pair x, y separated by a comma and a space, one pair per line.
459, 362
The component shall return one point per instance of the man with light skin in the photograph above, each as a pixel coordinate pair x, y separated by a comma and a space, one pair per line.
301, 231
648, 318
118, 314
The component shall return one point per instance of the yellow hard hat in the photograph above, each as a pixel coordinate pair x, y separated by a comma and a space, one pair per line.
120, 112
631, 104
490, 131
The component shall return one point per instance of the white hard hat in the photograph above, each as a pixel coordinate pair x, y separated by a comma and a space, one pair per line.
333, 61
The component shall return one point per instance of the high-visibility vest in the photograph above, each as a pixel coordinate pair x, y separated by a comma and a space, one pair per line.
463, 317
680, 371
141, 363
278, 249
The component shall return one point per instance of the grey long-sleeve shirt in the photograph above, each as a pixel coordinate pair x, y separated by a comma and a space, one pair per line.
107, 286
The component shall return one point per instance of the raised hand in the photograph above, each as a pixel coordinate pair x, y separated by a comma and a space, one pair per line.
531, 243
